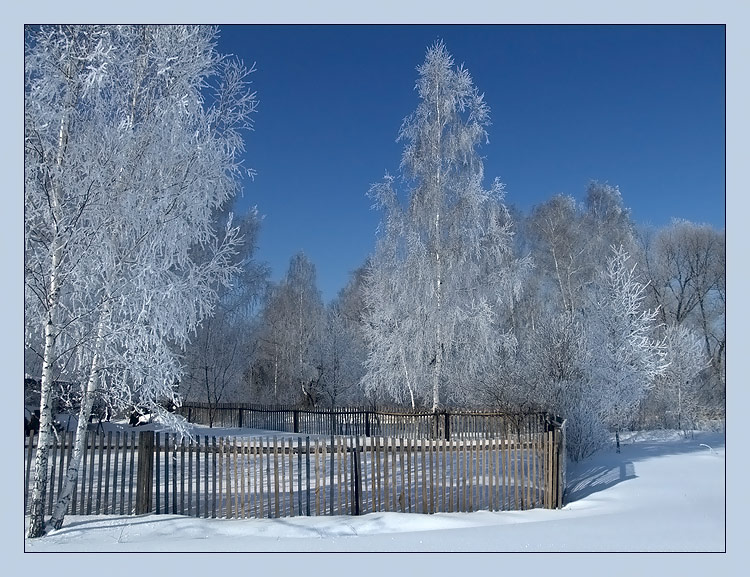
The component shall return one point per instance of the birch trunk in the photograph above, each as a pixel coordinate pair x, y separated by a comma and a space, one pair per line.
71, 478
438, 271
36, 521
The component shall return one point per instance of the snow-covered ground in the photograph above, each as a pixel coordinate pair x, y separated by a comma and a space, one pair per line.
662, 492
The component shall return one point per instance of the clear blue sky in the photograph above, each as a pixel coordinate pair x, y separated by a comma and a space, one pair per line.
641, 107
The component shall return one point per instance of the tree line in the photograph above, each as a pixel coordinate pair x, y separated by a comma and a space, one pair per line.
142, 287
467, 301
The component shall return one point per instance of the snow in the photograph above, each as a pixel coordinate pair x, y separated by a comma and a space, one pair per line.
663, 492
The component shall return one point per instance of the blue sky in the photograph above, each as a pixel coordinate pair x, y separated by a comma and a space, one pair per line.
641, 107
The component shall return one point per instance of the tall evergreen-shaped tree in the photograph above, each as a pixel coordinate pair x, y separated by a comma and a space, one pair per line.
442, 266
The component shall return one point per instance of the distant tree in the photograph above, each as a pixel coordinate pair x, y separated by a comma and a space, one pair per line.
224, 344
685, 264
607, 220
133, 141
571, 243
291, 324
676, 395
341, 353
559, 245
441, 268
626, 359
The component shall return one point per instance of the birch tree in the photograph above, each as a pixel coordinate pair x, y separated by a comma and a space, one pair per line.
133, 141
676, 396
223, 346
559, 248
291, 327
340, 352
435, 282
626, 357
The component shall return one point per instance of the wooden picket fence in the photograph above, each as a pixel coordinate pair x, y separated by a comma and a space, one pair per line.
282, 476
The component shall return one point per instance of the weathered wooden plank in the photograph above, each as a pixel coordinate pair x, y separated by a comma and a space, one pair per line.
221, 473
291, 476
453, 472
377, 502
431, 474
182, 477
529, 469
197, 470
299, 475
51, 482
107, 471
347, 473
259, 478
473, 465
214, 457
174, 473
269, 493
555, 468
371, 449
307, 478
29, 458
317, 479
331, 477
235, 457
522, 476
92, 456
206, 466
276, 478
226, 449
547, 473
243, 467
464, 501
443, 450
132, 471
486, 471
340, 461
394, 483
491, 475
386, 492
115, 472
65, 451
424, 475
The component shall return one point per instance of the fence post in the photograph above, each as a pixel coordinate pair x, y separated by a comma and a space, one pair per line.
561, 467
296, 420
367, 423
447, 426
145, 480
239, 419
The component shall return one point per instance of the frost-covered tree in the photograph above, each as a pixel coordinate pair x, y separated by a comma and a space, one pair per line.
222, 349
291, 323
625, 358
341, 353
606, 220
571, 243
676, 395
559, 245
133, 141
686, 269
441, 268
